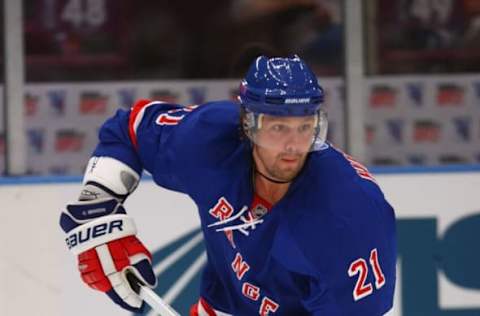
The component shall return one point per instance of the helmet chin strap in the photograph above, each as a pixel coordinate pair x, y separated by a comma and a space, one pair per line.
270, 179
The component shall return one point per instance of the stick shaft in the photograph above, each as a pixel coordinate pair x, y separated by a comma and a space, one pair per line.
156, 302
149, 296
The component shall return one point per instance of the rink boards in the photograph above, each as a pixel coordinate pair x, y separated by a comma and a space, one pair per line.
438, 223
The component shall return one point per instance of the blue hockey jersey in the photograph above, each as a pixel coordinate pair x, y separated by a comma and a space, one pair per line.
327, 248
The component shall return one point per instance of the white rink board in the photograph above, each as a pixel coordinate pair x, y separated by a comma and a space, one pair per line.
39, 276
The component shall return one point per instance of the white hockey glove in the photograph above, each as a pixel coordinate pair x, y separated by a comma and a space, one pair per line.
102, 237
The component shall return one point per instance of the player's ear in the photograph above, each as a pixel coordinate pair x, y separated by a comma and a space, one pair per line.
244, 126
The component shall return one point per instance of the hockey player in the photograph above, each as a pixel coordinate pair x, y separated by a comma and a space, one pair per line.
292, 225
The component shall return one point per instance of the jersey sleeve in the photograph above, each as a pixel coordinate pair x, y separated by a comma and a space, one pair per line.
357, 271
361, 280
137, 136
176, 144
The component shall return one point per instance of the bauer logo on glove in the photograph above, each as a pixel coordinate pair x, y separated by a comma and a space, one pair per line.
82, 234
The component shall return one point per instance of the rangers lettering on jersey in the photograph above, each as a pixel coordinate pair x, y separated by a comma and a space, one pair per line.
268, 306
222, 210
251, 291
240, 267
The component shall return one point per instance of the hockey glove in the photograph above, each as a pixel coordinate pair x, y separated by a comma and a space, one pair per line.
102, 236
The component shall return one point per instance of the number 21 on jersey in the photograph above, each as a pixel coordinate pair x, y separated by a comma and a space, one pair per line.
360, 267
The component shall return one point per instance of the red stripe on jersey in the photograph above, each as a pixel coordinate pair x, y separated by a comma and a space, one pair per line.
257, 199
361, 170
365, 175
202, 308
210, 311
356, 164
258, 205
138, 108
194, 310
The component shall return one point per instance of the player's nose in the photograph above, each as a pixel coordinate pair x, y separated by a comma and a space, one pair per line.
294, 142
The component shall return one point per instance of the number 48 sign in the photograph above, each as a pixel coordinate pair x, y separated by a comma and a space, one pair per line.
85, 12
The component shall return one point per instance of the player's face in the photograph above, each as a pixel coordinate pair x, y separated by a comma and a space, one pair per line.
282, 145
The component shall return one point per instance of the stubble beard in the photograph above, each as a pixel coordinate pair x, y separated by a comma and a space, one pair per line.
285, 173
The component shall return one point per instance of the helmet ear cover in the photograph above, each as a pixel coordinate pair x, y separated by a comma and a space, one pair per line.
251, 123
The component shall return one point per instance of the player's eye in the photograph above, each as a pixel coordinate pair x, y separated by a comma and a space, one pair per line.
305, 128
279, 128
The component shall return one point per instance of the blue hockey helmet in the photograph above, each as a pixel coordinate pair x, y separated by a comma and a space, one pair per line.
281, 87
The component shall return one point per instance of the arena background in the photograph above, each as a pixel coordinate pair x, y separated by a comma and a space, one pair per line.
402, 93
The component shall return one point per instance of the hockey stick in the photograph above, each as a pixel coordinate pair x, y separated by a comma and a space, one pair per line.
150, 297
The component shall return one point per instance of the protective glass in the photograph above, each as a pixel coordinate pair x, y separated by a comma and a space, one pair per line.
294, 134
